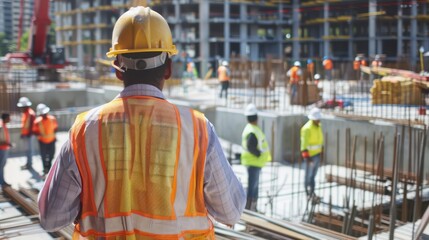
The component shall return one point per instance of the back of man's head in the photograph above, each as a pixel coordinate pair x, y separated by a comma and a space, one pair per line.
142, 44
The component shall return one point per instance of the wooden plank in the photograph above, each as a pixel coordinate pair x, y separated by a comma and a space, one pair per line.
372, 187
263, 224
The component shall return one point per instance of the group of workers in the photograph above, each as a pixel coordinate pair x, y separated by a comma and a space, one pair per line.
44, 126
256, 152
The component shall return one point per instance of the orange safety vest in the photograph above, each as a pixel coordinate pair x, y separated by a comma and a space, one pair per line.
356, 65
45, 128
294, 76
363, 63
4, 136
310, 67
328, 64
222, 73
27, 120
141, 160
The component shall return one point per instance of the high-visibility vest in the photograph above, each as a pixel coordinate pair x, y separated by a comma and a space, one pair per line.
327, 64
45, 128
363, 63
312, 138
310, 67
295, 73
141, 161
356, 65
4, 136
223, 73
247, 158
27, 120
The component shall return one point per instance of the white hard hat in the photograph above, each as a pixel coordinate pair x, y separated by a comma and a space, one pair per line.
314, 114
224, 63
42, 109
23, 102
317, 76
251, 110
297, 63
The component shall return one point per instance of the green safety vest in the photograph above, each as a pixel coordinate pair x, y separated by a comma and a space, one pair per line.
312, 138
247, 158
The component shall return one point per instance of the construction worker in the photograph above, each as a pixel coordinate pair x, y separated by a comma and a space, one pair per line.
256, 153
44, 128
294, 75
27, 120
311, 149
310, 68
5, 145
224, 76
328, 66
376, 63
140, 167
356, 66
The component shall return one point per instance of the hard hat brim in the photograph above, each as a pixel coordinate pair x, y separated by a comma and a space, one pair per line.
113, 53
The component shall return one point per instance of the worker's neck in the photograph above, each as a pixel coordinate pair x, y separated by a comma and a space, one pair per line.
157, 84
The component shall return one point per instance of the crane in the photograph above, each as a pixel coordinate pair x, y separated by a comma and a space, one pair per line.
47, 59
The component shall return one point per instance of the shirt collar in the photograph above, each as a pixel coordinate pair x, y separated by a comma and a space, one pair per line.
141, 90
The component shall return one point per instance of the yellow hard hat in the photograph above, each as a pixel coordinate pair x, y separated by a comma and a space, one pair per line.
141, 29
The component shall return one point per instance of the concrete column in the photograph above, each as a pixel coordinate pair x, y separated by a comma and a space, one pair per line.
244, 45
372, 7
326, 42
79, 45
351, 53
296, 47
97, 20
414, 49
226, 30
425, 29
204, 35
399, 29
177, 27
253, 47
279, 33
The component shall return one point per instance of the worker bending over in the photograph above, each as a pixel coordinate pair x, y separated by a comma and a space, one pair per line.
140, 167
311, 149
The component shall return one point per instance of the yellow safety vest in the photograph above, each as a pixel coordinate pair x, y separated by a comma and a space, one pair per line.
141, 160
312, 138
247, 158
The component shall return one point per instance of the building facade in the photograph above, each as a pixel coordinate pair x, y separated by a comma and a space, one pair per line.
210, 30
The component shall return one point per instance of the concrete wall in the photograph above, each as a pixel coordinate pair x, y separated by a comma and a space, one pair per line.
282, 131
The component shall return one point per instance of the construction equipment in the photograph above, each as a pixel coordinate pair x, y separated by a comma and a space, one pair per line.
43, 57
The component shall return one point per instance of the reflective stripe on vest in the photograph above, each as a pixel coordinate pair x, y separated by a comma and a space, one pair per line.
142, 161
314, 147
46, 128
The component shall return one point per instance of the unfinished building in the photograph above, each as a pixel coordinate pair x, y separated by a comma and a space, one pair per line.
209, 30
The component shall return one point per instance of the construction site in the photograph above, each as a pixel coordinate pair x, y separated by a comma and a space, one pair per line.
374, 171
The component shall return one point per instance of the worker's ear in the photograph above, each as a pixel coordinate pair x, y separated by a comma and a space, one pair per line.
167, 73
117, 72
